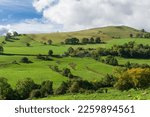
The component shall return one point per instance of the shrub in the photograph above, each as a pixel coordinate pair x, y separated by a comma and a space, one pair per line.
35, 93
108, 81
62, 89
46, 88
133, 78
25, 60
111, 60
74, 87
66, 72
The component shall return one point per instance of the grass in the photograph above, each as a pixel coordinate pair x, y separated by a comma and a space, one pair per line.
111, 95
86, 68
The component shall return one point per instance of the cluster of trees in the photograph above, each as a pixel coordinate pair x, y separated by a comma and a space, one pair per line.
79, 52
65, 71
141, 34
76, 41
11, 36
25, 89
46, 57
28, 89
130, 65
72, 41
127, 50
84, 86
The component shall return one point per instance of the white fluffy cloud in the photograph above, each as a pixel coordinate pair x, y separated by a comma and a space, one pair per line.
34, 26
4, 29
81, 14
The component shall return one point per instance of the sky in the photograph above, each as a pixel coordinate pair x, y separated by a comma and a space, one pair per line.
45, 16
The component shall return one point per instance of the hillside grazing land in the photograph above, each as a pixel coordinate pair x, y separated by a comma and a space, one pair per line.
86, 68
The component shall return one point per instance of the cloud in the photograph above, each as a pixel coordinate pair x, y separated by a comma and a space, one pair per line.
35, 26
82, 14
41, 5
4, 29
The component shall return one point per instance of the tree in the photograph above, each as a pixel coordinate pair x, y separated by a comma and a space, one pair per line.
49, 42
85, 40
111, 60
5, 89
66, 72
50, 52
70, 50
15, 33
24, 87
27, 44
98, 40
46, 88
91, 40
1, 49
131, 35
25, 60
72, 41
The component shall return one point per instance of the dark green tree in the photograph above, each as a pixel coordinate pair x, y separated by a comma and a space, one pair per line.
24, 87
49, 42
98, 40
50, 52
6, 92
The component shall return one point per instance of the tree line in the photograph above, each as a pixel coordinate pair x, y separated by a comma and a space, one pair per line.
76, 41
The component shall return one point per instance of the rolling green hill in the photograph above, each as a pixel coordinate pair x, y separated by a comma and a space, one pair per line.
106, 33
86, 68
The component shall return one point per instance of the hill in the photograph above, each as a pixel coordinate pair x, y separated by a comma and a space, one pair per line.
106, 33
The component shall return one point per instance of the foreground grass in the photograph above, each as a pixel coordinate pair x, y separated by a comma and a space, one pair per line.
111, 95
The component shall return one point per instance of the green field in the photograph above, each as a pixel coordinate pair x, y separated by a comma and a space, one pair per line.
86, 68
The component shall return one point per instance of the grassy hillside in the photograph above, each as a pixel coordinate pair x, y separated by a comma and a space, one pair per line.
85, 68
106, 33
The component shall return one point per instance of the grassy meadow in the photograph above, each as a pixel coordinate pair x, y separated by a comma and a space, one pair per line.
86, 68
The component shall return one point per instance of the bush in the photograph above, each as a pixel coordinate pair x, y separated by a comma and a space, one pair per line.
62, 89
35, 93
133, 78
25, 60
111, 60
74, 87
46, 88
45, 58
66, 72
108, 81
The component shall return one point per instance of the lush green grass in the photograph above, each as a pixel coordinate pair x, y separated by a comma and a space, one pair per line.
111, 95
86, 68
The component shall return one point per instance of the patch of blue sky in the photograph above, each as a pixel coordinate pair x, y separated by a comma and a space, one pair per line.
13, 11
